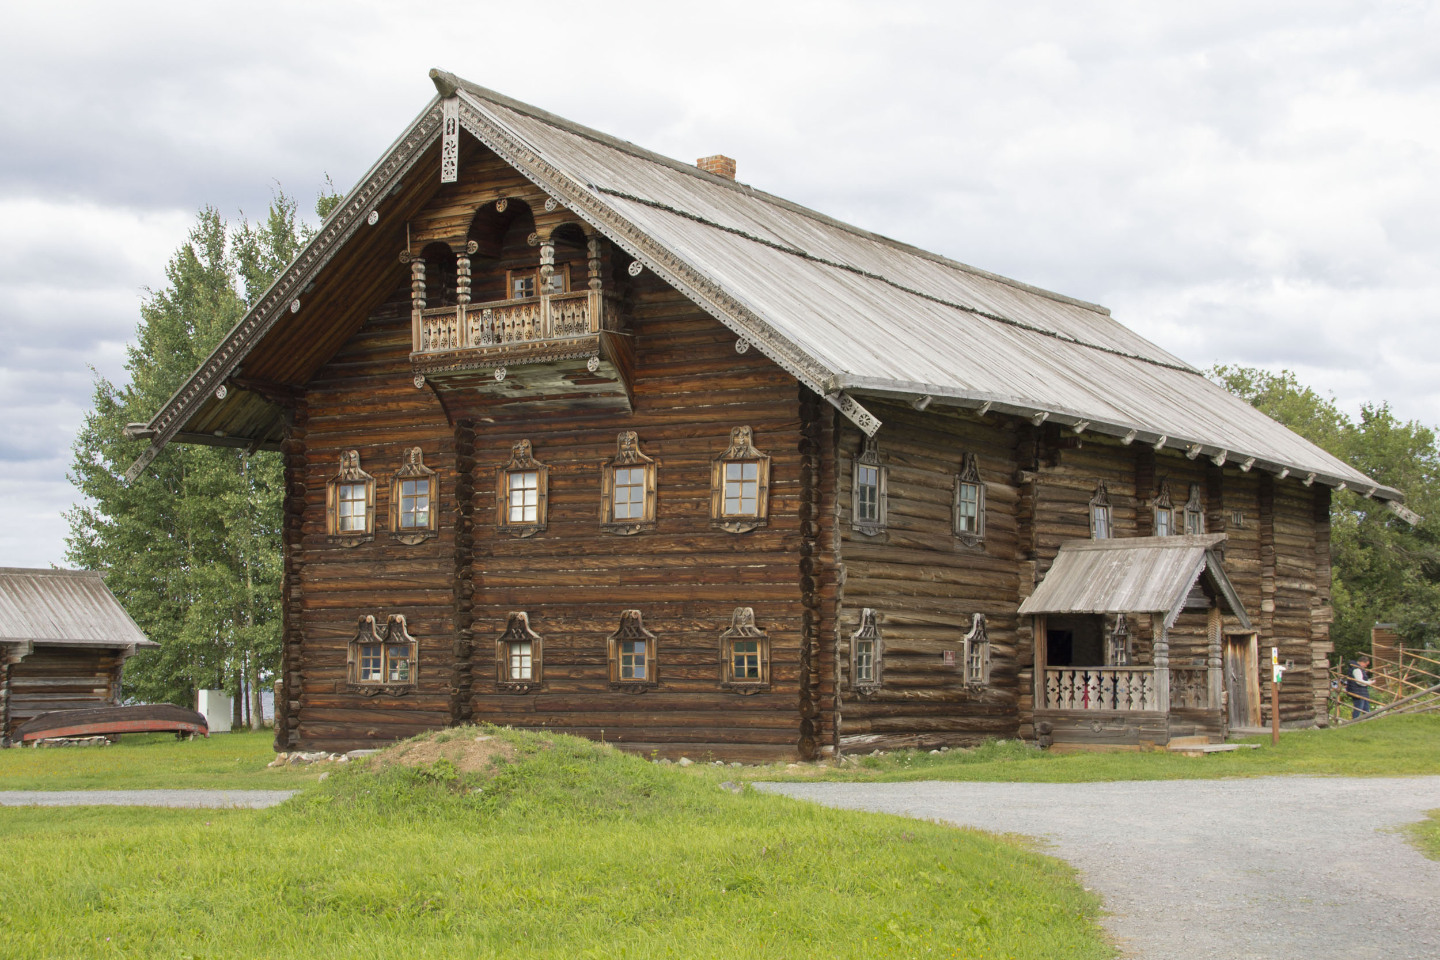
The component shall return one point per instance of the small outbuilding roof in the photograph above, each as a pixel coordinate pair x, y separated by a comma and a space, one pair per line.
1134, 575
72, 607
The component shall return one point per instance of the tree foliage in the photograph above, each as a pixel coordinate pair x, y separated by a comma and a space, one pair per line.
1384, 570
192, 546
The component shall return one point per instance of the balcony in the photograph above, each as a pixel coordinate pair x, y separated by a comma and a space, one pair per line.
555, 346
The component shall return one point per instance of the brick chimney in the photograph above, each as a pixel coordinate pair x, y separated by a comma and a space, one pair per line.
720, 165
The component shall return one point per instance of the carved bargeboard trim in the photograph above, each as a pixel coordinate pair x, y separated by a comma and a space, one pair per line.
347, 218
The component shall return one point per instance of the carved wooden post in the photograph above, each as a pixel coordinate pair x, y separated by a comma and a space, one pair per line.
417, 301
1214, 633
1160, 657
592, 248
462, 295
547, 271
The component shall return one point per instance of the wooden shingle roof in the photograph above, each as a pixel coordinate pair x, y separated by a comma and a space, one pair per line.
66, 607
850, 313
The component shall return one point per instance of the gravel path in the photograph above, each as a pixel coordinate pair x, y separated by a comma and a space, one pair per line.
253, 799
1277, 868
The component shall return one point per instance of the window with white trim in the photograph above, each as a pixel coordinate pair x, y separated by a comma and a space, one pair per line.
522, 492
628, 488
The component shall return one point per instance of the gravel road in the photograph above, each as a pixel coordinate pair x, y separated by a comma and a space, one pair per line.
1277, 868
253, 799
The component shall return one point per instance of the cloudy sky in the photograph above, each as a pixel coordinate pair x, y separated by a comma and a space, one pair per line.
1240, 182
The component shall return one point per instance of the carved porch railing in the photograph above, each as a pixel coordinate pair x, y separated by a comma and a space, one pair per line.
501, 323
1103, 689
1190, 688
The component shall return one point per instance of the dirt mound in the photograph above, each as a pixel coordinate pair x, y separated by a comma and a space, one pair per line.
470, 753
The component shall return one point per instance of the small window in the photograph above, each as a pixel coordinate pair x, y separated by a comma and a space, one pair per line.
868, 496
519, 656
350, 503
1195, 512
1164, 513
383, 660
412, 500
977, 653
1117, 653
740, 485
628, 488
969, 506
1101, 527
521, 492
522, 284
866, 653
632, 654
744, 654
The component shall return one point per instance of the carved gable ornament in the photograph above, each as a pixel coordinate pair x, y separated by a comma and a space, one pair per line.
740, 485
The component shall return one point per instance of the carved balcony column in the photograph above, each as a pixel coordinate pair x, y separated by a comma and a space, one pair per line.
592, 249
547, 272
417, 301
1160, 658
462, 275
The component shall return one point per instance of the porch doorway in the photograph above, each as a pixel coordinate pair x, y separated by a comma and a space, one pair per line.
1242, 678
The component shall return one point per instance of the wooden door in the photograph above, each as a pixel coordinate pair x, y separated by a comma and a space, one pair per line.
1242, 679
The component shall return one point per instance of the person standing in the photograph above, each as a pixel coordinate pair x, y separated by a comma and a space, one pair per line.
1357, 684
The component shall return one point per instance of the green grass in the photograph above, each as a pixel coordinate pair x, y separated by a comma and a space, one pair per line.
154, 761
1384, 747
570, 850
1426, 835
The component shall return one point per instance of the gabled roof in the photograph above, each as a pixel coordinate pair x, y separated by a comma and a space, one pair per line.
68, 607
850, 313
1133, 575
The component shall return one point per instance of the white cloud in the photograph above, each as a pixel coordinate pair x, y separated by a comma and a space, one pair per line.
1242, 183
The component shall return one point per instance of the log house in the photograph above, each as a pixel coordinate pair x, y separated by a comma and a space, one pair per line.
64, 640
580, 437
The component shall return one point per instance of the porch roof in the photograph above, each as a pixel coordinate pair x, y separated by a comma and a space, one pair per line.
1134, 575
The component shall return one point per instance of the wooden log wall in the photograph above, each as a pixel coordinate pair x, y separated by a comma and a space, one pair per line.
62, 678
365, 399
926, 585
685, 576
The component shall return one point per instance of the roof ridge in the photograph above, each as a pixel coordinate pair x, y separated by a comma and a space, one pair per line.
545, 116
49, 572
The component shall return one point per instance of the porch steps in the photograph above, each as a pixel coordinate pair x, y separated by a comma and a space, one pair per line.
1200, 745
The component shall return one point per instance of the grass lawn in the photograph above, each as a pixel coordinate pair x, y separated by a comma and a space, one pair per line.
154, 761
565, 849
1384, 747
1426, 835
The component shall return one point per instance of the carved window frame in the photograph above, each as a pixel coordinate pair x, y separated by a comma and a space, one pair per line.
414, 469
627, 456
1117, 643
350, 474
867, 634
631, 630
517, 630
741, 450
742, 628
977, 653
1164, 508
396, 634
522, 460
1195, 512
869, 459
969, 476
1102, 517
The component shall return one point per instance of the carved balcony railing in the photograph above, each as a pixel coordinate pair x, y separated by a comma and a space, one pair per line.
1102, 689
508, 323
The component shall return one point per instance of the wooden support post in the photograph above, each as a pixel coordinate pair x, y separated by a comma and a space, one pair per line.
1215, 629
1160, 656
